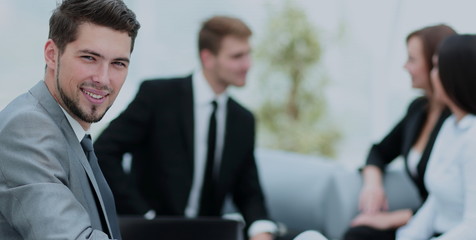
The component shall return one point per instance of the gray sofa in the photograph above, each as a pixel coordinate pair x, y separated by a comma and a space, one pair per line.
306, 192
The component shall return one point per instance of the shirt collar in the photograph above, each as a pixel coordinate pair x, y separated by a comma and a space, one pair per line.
77, 128
465, 123
203, 93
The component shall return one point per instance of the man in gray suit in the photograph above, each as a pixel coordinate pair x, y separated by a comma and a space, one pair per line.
50, 184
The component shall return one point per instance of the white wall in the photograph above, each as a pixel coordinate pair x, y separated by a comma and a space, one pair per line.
369, 90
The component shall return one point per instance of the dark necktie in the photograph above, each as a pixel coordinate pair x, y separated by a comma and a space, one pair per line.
207, 200
104, 189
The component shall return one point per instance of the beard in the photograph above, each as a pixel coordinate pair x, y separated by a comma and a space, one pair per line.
73, 106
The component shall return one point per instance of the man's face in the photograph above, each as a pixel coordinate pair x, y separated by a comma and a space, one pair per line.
90, 72
232, 62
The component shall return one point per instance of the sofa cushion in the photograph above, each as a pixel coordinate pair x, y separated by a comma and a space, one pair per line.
295, 187
307, 192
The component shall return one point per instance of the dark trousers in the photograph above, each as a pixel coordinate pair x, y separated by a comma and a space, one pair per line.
368, 233
289, 235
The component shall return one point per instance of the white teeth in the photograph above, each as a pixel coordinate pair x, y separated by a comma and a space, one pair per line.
95, 96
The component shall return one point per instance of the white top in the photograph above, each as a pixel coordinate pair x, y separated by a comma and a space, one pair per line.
414, 157
451, 182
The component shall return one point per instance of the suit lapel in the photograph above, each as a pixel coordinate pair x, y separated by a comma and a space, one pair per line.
415, 123
230, 140
188, 117
427, 151
52, 107
78, 151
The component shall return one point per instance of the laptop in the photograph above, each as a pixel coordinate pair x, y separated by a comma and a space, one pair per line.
179, 228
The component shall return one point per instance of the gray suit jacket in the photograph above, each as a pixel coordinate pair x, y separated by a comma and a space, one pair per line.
45, 178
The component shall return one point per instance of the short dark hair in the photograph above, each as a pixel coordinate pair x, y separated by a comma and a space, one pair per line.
67, 17
216, 28
456, 65
431, 37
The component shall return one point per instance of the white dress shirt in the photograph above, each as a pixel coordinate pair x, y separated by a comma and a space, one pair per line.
451, 182
77, 128
203, 96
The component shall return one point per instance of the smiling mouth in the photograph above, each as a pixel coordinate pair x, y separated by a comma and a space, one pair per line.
93, 95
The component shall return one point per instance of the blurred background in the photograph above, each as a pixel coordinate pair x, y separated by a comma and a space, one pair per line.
327, 77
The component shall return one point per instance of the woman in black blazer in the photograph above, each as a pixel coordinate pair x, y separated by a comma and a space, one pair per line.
412, 138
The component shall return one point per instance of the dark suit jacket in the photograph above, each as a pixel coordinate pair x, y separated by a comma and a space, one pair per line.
157, 128
401, 139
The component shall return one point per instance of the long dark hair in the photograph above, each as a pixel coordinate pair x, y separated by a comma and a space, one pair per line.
457, 69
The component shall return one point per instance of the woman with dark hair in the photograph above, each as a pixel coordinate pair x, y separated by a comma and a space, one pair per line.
412, 138
450, 210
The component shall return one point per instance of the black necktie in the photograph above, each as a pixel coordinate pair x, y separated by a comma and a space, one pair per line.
207, 204
104, 189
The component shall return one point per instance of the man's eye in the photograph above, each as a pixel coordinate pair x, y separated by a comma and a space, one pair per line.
89, 58
119, 64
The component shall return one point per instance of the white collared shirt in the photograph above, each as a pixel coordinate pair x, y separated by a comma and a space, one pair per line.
77, 128
451, 182
203, 96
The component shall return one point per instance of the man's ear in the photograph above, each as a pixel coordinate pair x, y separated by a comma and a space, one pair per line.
207, 58
51, 54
